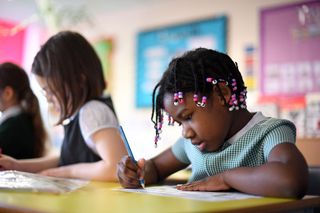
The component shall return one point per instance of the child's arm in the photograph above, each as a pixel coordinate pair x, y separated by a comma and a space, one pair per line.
284, 175
28, 165
110, 148
153, 170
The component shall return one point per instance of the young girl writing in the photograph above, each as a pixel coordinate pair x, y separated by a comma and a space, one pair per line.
227, 146
70, 74
22, 134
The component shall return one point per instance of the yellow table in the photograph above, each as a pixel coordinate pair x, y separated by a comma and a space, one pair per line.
99, 197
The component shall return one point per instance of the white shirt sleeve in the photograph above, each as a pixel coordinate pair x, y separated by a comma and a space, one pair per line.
94, 116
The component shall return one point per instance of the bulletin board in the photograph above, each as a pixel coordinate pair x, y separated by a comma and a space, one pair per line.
290, 63
156, 48
290, 50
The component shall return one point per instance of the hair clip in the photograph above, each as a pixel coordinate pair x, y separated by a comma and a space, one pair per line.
158, 127
195, 99
223, 81
170, 120
242, 99
198, 103
156, 139
212, 80
233, 102
234, 84
180, 97
215, 81
203, 101
175, 99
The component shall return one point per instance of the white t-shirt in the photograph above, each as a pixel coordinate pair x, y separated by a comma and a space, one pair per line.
94, 116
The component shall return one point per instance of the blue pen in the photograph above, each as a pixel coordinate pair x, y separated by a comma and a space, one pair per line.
126, 143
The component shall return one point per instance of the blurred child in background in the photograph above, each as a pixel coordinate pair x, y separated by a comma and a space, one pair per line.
22, 134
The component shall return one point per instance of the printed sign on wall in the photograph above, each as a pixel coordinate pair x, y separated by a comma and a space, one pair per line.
290, 47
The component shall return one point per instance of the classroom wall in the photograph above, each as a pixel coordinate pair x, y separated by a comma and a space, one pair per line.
124, 25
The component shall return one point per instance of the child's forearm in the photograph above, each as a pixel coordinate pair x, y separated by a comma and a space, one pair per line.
271, 179
98, 171
160, 167
151, 173
37, 164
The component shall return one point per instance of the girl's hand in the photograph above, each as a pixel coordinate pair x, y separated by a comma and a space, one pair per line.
212, 183
8, 163
129, 173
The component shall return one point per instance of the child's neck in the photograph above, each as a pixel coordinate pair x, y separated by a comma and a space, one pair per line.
10, 104
239, 120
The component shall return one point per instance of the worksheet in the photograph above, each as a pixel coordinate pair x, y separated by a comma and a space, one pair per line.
171, 191
25, 181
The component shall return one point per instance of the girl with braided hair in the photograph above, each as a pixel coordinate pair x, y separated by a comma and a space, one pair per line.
22, 134
228, 147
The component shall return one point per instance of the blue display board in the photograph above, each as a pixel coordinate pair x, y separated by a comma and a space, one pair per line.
156, 48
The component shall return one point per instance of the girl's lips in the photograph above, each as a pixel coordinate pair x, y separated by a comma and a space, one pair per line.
201, 146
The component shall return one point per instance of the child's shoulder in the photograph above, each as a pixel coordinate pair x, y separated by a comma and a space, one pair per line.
95, 106
273, 122
92, 103
259, 123
102, 102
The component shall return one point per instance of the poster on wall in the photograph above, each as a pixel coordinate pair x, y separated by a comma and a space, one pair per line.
156, 48
290, 50
103, 48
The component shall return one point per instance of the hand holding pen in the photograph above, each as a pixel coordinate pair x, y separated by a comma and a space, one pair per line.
130, 172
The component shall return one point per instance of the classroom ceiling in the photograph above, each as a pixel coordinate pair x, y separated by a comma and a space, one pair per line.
19, 10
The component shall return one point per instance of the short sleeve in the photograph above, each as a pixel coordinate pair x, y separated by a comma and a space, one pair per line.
285, 133
178, 150
94, 116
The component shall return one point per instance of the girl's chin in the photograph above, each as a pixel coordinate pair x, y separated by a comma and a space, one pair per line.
210, 149
204, 147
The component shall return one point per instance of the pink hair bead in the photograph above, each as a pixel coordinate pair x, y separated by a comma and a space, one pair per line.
195, 98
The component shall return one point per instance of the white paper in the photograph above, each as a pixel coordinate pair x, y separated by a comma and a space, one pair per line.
24, 181
171, 191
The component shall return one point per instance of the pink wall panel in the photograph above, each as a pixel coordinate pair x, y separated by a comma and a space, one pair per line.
11, 46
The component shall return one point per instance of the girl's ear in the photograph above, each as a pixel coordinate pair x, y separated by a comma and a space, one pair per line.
8, 93
226, 93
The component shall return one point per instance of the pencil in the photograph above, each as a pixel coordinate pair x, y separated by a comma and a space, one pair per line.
126, 143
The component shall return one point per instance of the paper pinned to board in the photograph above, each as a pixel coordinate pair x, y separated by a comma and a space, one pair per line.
24, 181
171, 191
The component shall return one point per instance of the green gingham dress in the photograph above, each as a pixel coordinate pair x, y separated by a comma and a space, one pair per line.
249, 147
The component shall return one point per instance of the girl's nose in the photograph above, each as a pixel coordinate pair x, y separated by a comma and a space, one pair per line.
187, 132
